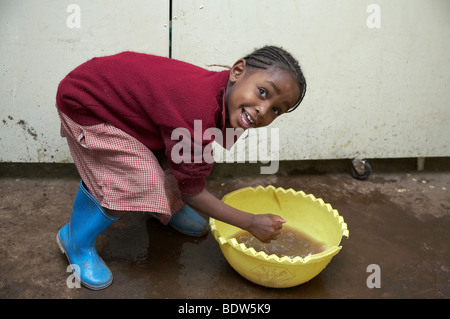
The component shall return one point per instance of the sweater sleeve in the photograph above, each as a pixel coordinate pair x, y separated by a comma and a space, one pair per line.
185, 151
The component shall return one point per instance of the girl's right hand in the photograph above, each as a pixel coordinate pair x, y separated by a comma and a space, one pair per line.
266, 227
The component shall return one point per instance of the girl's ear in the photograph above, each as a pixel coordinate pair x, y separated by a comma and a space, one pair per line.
238, 70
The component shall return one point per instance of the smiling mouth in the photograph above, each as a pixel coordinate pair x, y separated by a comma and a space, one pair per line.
246, 119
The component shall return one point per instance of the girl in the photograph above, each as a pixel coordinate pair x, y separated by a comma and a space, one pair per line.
118, 114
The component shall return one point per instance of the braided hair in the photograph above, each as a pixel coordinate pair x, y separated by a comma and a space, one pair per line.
272, 56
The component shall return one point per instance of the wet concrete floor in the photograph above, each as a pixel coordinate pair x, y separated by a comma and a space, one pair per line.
399, 219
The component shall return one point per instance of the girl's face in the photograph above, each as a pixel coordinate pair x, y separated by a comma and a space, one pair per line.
256, 97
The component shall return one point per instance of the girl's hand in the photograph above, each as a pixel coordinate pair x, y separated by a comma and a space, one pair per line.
266, 227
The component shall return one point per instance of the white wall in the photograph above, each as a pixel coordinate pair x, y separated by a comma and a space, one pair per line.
39, 47
372, 92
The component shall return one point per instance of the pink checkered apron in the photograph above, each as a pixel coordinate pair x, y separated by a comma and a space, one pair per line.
119, 171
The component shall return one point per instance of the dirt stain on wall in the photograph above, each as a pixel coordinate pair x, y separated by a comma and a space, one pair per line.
23, 125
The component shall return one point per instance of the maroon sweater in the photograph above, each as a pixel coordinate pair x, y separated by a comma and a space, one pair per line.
148, 97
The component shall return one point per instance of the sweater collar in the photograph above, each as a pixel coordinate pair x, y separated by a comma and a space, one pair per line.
222, 101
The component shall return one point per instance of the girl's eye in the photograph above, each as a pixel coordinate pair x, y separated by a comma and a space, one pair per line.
262, 92
277, 111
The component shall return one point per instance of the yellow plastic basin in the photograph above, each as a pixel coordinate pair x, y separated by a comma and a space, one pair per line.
303, 212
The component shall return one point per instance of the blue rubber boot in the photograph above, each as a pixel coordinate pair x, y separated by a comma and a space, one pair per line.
189, 222
77, 240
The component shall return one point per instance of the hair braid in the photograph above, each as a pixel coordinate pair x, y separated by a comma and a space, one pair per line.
272, 56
